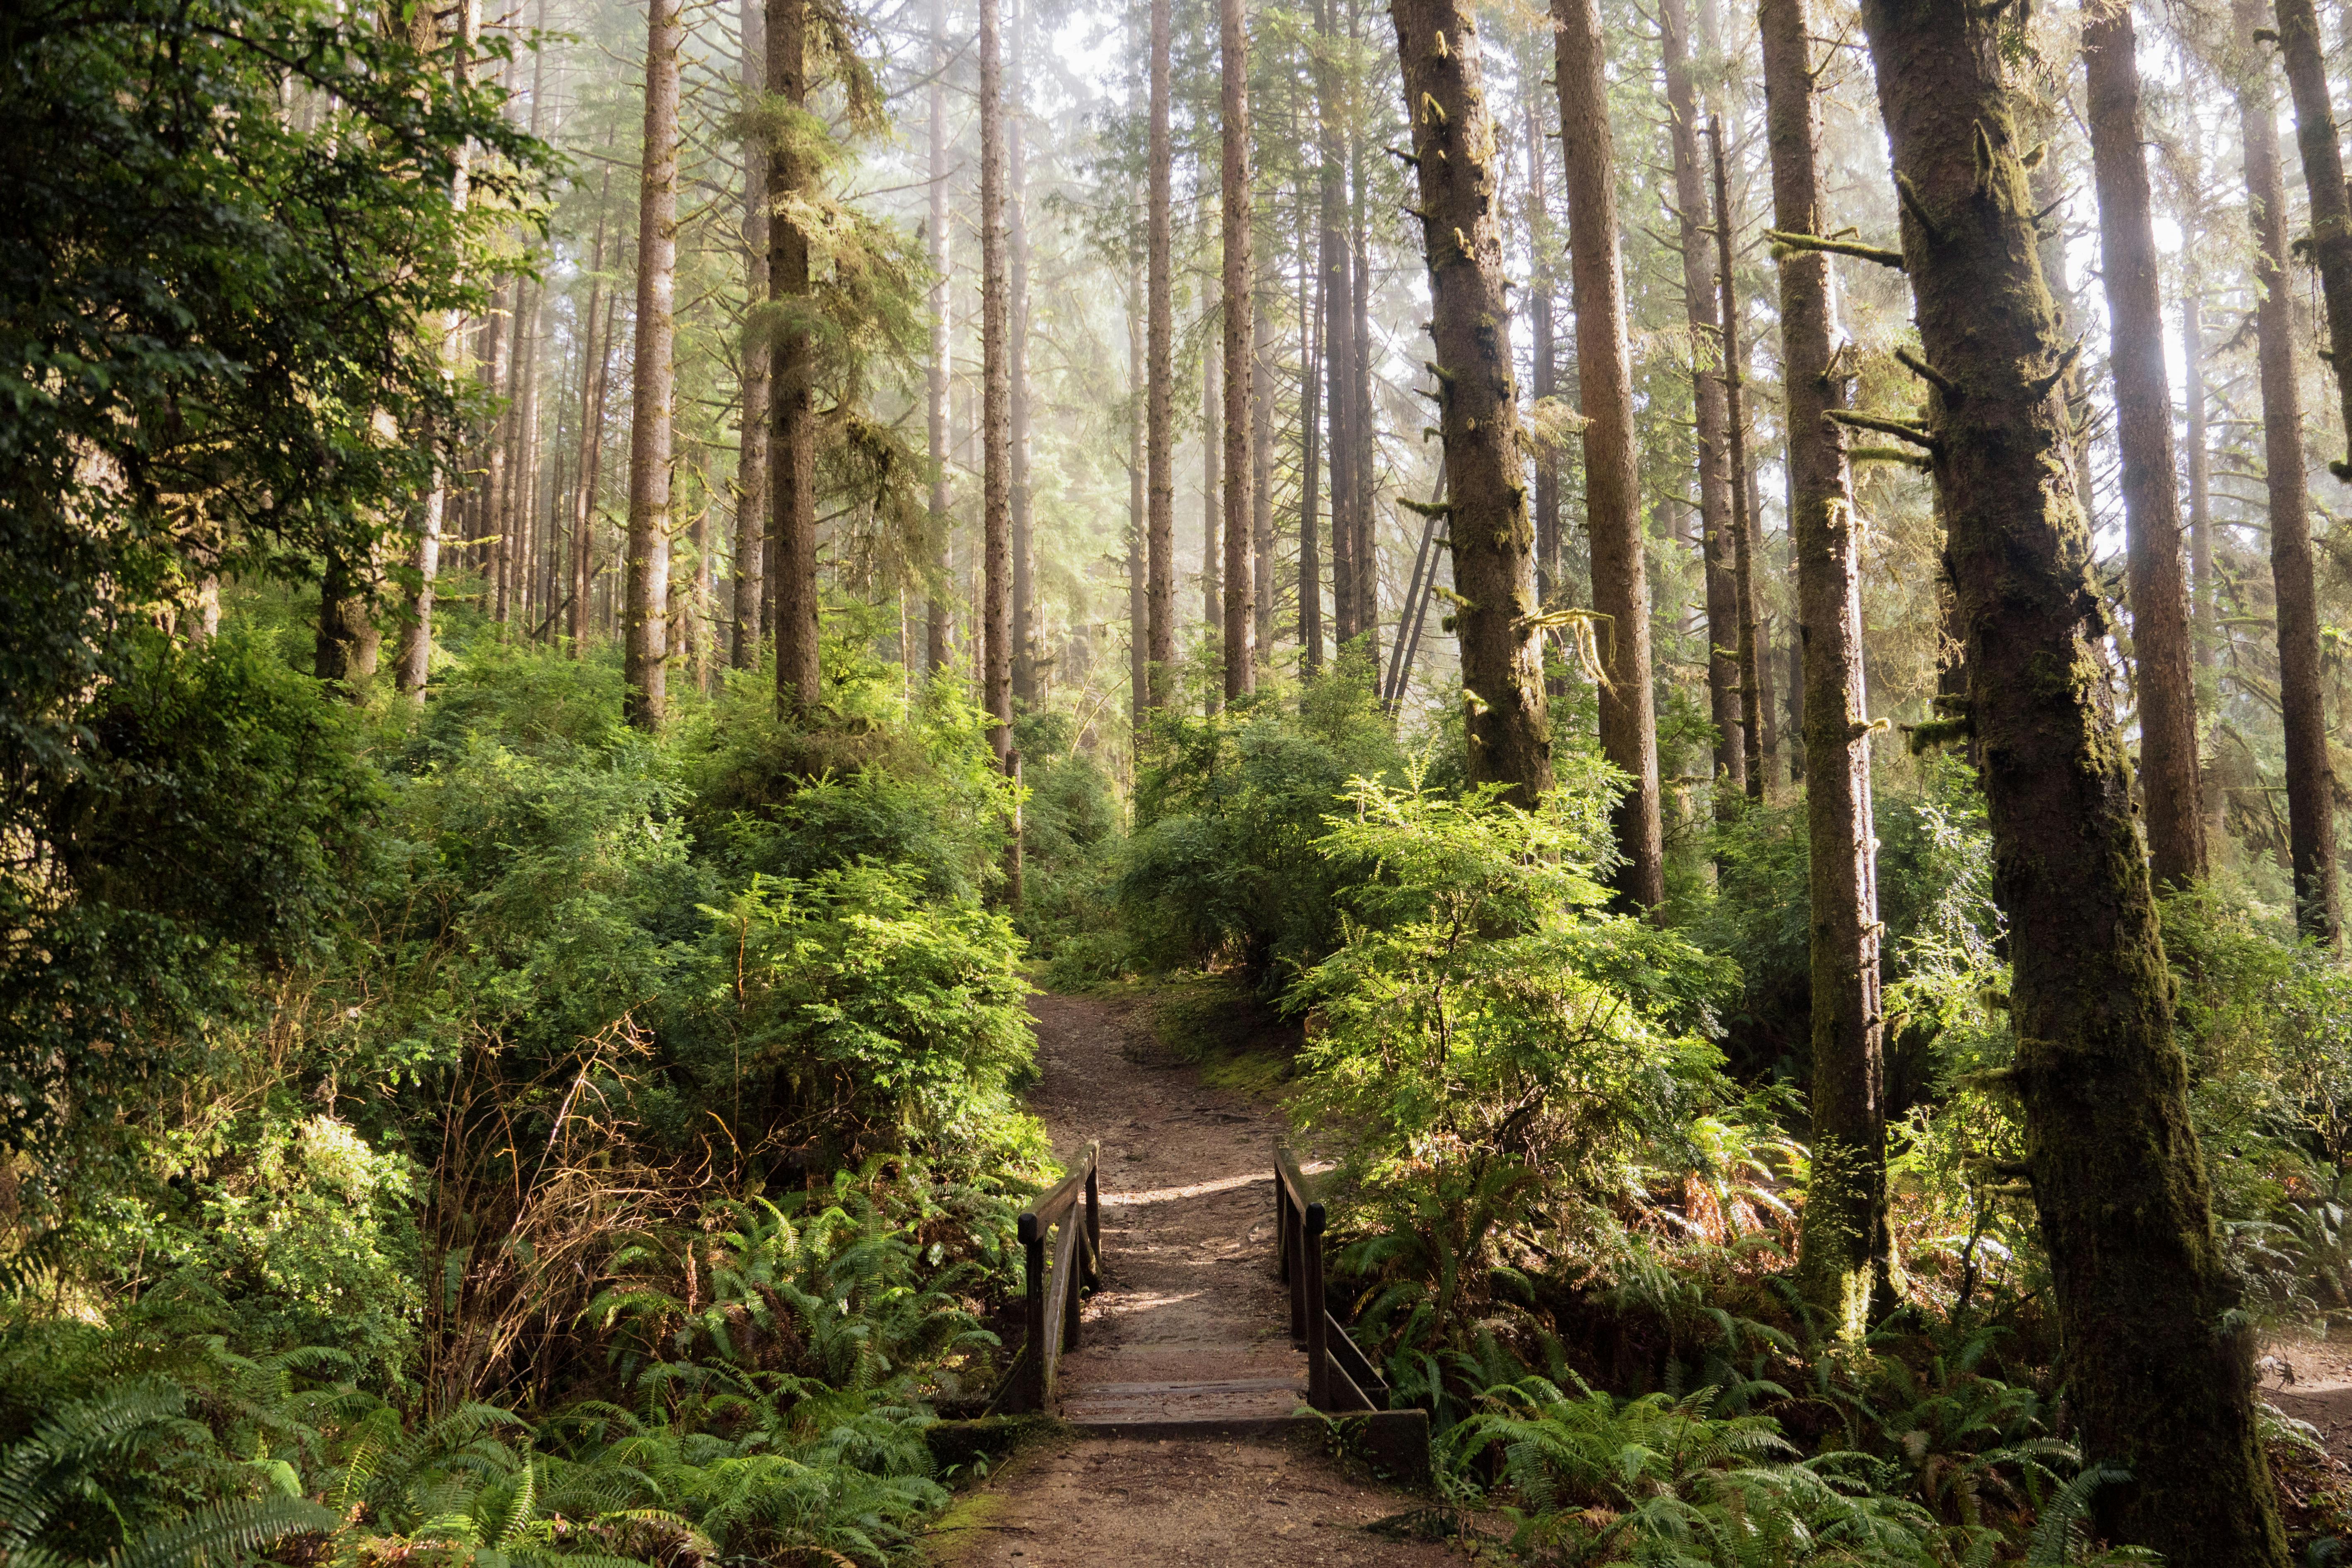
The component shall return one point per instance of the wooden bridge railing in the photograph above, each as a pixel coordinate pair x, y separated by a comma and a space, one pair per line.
1340, 1376
1053, 1297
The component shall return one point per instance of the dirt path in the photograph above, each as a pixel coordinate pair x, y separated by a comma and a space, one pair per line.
1189, 1325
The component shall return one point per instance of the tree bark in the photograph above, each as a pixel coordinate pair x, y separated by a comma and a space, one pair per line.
1338, 320
1212, 490
1360, 391
2310, 781
498, 379
1545, 356
1845, 1250
1493, 541
2159, 593
1750, 649
995, 399
646, 652
1240, 291
2144, 1295
752, 457
1620, 588
792, 389
1717, 548
594, 352
1138, 545
1310, 383
1261, 448
1024, 590
1161, 412
936, 652
2301, 49
2196, 430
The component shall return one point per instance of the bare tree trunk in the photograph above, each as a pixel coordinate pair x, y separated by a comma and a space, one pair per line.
2301, 47
1024, 607
1139, 543
2310, 782
1845, 1251
2196, 432
1213, 488
1160, 416
1260, 446
1240, 291
792, 390
523, 462
1339, 323
592, 354
935, 615
2144, 1294
507, 304
2159, 596
1751, 649
1310, 382
1620, 588
746, 622
995, 395
646, 701
1717, 547
1363, 514
1493, 542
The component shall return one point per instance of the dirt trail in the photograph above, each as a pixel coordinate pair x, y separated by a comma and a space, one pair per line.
1189, 1299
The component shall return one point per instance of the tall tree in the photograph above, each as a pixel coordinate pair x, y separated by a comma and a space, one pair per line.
2159, 591
1158, 443
1544, 383
645, 630
1212, 490
2310, 785
1717, 543
1749, 649
935, 617
1240, 291
2301, 49
1261, 448
1621, 587
1338, 320
1492, 539
792, 386
2142, 1291
1138, 545
585, 471
1016, 219
1310, 385
995, 399
746, 626
1845, 1250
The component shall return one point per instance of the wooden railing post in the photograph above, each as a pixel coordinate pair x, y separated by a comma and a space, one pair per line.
1318, 1318
1033, 1371
1093, 1215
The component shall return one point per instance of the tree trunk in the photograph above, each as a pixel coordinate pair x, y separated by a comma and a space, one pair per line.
792, 390
1310, 383
2310, 783
344, 653
1717, 548
1845, 1250
995, 400
1750, 648
1139, 546
1212, 490
935, 615
1545, 354
592, 354
498, 378
645, 702
522, 460
1620, 588
1509, 728
2159, 596
1261, 447
752, 457
1240, 350
2322, 172
2144, 1295
1160, 411
1363, 514
2197, 433
1338, 320
1023, 641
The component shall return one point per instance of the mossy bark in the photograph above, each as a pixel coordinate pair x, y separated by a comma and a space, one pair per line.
1488, 530
1746, 539
2304, 52
995, 399
791, 379
1845, 1251
1160, 409
1240, 279
745, 620
2160, 1377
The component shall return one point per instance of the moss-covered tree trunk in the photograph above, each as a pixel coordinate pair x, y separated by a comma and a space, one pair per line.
2304, 52
1844, 1250
751, 455
995, 400
1338, 320
2152, 532
1620, 586
2310, 784
1160, 408
792, 389
1493, 543
1240, 286
2161, 1379
1746, 537
941, 366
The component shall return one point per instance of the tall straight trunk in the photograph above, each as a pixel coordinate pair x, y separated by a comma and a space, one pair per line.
746, 624
2159, 591
1717, 547
415, 652
1213, 488
498, 378
1138, 545
935, 614
2196, 430
1261, 449
1240, 292
996, 401
1310, 383
1161, 412
523, 460
1545, 383
1750, 648
2145, 1296
592, 354
645, 651
1493, 542
1363, 514
1845, 1251
1338, 320
2310, 786
1620, 586
2301, 49
792, 390
1025, 607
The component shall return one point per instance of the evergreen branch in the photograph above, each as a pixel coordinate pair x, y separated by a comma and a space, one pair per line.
1784, 240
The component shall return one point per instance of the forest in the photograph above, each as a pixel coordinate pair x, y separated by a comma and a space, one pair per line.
659, 658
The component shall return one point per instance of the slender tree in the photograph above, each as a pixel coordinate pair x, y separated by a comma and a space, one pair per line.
746, 627
1620, 588
1261, 448
1338, 321
592, 354
1212, 490
1544, 383
1493, 542
2160, 594
1845, 1251
646, 652
1160, 432
1310, 385
2145, 1297
1139, 546
1750, 649
2301, 49
1016, 221
935, 617
2310, 783
792, 388
1240, 290
995, 394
